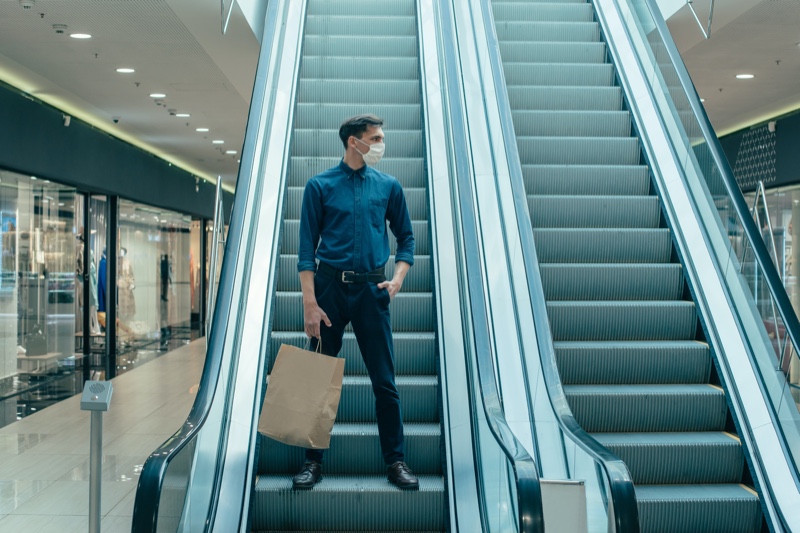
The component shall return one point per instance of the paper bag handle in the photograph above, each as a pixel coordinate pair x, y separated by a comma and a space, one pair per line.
319, 345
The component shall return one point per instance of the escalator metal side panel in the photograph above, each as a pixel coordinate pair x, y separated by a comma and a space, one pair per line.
456, 417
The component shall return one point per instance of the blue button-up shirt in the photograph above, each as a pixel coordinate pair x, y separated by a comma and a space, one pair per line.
343, 220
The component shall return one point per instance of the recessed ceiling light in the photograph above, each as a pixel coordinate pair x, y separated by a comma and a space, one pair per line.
183, 115
158, 95
230, 152
202, 130
125, 70
34, 178
218, 141
702, 99
80, 36
60, 204
744, 76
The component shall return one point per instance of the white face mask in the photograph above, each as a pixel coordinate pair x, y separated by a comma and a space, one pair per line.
374, 154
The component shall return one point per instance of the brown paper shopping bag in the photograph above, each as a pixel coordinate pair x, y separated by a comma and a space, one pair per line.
302, 398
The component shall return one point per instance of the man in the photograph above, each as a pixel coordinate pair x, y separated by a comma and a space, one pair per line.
343, 225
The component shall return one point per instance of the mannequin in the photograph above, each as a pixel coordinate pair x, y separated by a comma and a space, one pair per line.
126, 284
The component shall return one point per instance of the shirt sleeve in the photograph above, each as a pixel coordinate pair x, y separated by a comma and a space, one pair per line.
400, 224
310, 218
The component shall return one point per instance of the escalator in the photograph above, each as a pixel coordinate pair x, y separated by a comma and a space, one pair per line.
360, 57
631, 352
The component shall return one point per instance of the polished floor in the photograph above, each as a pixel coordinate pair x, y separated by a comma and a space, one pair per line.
44, 458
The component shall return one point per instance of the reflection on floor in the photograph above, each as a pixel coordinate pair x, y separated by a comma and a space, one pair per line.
44, 471
30, 392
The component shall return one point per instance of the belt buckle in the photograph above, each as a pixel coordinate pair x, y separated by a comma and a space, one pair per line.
345, 273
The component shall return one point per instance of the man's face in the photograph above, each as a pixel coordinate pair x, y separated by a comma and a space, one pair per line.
374, 134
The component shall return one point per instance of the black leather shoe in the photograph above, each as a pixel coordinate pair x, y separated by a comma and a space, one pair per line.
402, 476
308, 476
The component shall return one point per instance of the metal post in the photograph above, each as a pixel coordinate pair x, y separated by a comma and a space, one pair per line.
95, 471
96, 398
203, 259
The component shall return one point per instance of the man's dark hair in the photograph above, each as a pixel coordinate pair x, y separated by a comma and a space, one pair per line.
355, 126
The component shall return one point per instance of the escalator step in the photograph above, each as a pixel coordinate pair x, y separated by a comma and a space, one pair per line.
643, 408
364, 92
678, 458
578, 150
410, 172
555, 98
291, 237
572, 123
414, 353
360, 25
612, 282
633, 363
355, 450
373, 503
326, 143
559, 74
730, 508
364, 8
418, 397
522, 52
603, 245
620, 180
418, 278
594, 211
622, 320
542, 11
330, 116
411, 311
361, 46
548, 31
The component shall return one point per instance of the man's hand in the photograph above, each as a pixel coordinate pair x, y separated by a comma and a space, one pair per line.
393, 286
313, 315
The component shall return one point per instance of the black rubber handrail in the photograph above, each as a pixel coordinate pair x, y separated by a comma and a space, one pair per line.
620, 488
526, 476
753, 234
151, 480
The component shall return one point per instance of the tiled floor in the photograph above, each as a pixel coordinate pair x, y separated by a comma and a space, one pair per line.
44, 458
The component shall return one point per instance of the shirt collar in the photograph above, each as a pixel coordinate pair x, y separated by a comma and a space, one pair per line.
349, 172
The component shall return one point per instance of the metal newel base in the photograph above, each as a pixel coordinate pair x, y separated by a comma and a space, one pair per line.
95, 471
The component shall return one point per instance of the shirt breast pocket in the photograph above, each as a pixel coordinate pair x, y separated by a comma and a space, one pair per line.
377, 212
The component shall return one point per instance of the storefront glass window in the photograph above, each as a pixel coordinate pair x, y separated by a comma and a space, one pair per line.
156, 269
37, 294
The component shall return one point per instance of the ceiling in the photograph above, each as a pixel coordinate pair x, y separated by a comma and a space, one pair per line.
177, 48
758, 37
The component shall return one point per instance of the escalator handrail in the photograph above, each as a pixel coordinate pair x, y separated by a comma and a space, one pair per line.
620, 483
752, 233
530, 514
151, 479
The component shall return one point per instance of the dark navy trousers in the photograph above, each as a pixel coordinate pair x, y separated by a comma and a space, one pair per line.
367, 308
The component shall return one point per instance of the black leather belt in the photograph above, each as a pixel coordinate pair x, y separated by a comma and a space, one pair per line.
348, 276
